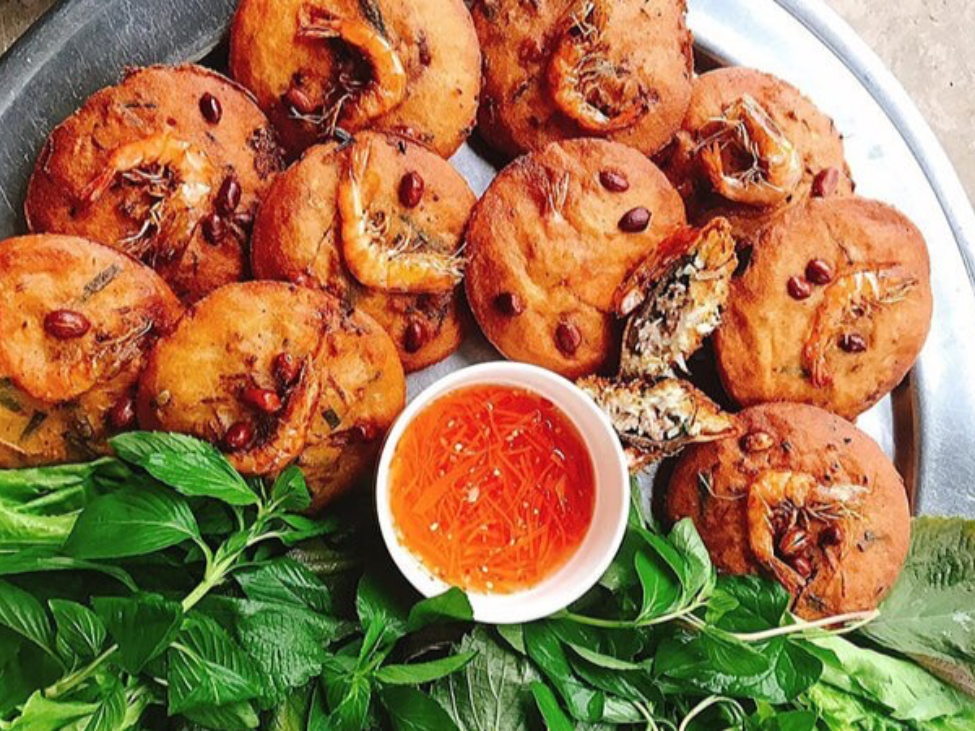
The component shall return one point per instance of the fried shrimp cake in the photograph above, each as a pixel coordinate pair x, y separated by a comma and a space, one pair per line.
276, 374
168, 167
317, 66
561, 69
751, 147
76, 322
833, 309
550, 242
803, 497
384, 237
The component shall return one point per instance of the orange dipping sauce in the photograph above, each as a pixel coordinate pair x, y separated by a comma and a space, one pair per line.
492, 488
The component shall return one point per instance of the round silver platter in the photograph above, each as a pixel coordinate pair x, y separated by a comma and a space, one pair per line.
927, 426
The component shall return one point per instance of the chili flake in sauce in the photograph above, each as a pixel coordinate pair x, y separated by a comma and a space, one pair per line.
492, 488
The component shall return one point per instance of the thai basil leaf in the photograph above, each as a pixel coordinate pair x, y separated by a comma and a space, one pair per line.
132, 522
41, 713
38, 560
231, 717
192, 467
548, 705
451, 606
24, 615
661, 587
287, 581
545, 649
80, 634
143, 626
110, 713
290, 491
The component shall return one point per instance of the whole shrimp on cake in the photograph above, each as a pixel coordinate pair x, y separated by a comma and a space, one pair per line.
750, 148
803, 497
317, 388
379, 224
77, 320
168, 167
560, 69
832, 310
326, 68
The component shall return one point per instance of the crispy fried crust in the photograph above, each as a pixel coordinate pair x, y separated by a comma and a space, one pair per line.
648, 38
434, 39
349, 388
819, 143
150, 102
548, 233
55, 394
711, 484
297, 238
760, 344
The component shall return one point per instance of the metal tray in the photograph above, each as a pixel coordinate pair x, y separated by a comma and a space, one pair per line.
927, 426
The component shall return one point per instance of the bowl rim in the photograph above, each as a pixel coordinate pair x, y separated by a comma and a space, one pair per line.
536, 602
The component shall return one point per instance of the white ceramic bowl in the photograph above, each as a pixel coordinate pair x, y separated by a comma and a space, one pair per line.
600, 544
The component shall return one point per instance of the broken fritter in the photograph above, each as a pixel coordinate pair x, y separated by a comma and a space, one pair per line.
657, 420
675, 299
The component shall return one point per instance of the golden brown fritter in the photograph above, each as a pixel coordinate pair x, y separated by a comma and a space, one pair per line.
833, 309
550, 242
168, 166
561, 69
298, 236
318, 65
804, 497
76, 322
750, 148
278, 374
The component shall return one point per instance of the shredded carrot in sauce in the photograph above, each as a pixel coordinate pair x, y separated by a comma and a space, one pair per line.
492, 488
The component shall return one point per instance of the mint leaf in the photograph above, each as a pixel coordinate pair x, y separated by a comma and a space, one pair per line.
411, 710
285, 580
290, 491
23, 614
286, 642
207, 668
348, 694
142, 626
132, 522
423, 672
451, 606
192, 467
382, 613
81, 633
